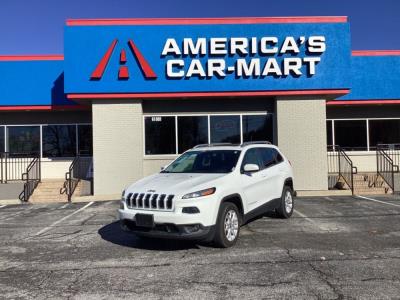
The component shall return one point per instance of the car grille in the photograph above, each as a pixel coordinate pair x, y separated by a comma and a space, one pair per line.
150, 201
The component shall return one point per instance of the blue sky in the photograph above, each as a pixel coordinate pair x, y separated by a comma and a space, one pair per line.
36, 26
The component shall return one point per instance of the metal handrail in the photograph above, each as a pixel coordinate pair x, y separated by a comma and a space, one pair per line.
385, 166
13, 165
32, 178
345, 168
76, 171
70, 184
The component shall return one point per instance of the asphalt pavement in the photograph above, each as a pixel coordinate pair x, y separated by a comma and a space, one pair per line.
331, 248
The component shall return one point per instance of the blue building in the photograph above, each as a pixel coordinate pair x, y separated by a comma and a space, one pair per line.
135, 93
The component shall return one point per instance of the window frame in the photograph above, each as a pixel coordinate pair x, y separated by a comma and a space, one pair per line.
367, 130
3, 128
275, 157
199, 114
59, 157
257, 150
41, 125
6, 137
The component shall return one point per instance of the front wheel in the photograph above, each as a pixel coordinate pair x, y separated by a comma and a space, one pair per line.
228, 226
285, 210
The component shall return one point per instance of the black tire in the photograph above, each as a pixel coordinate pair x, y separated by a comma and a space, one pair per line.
220, 238
283, 210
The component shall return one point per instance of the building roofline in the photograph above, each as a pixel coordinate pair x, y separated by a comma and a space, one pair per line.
198, 21
375, 53
363, 102
34, 57
81, 96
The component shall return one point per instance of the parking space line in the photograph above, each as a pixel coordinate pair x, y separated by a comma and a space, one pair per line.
1, 206
63, 219
371, 199
310, 220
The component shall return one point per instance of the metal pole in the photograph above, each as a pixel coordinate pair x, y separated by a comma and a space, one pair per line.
6, 173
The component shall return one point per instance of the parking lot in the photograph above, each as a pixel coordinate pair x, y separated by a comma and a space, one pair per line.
332, 248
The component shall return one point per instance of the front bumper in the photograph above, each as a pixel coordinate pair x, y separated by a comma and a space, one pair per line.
176, 223
170, 231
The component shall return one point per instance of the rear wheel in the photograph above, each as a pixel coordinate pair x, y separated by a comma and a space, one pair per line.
285, 210
228, 225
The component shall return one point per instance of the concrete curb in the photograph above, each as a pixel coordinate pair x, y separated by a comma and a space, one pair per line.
10, 201
323, 193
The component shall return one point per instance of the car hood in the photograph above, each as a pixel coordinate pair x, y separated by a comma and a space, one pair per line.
169, 183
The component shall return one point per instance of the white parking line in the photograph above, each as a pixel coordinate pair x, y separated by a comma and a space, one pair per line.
371, 199
329, 198
310, 220
63, 219
1, 206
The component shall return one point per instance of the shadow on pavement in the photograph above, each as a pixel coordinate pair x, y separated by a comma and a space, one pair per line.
114, 234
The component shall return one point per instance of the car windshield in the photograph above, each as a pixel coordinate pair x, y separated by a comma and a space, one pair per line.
208, 161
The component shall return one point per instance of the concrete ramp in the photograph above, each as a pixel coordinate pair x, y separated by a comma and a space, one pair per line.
11, 190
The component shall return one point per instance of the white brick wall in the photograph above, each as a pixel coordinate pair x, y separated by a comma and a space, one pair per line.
301, 128
117, 144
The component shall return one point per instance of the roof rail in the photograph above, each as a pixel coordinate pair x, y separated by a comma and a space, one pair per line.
214, 145
255, 143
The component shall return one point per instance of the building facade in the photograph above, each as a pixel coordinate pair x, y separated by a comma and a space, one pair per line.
135, 93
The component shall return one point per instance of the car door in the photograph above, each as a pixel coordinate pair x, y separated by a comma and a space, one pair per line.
272, 172
252, 183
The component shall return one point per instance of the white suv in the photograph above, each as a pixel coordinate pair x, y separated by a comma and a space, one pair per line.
208, 192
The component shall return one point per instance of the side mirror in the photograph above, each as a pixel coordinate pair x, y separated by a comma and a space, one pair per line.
162, 168
250, 168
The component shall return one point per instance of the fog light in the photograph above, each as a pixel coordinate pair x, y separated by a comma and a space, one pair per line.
190, 210
191, 228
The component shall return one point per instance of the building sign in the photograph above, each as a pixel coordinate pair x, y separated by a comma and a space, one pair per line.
206, 58
243, 50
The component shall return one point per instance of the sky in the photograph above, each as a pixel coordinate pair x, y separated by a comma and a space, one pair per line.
36, 26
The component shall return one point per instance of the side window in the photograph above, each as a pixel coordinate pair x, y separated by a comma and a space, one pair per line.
270, 157
252, 156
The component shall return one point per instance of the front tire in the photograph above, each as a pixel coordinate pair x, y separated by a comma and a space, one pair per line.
285, 210
228, 226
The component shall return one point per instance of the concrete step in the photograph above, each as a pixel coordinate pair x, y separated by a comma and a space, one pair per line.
368, 184
372, 191
49, 191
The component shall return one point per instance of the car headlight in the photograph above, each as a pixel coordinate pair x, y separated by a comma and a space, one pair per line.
201, 193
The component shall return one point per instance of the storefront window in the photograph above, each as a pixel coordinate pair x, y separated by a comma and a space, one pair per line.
351, 134
2, 144
23, 140
59, 141
384, 132
160, 135
329, 140
257, 128
85, 140
192, 131
225, 129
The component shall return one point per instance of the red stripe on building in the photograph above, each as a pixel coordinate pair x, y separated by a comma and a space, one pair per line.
43, 107
207, 94
31, 57
363, 102
375, 52
192, 21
